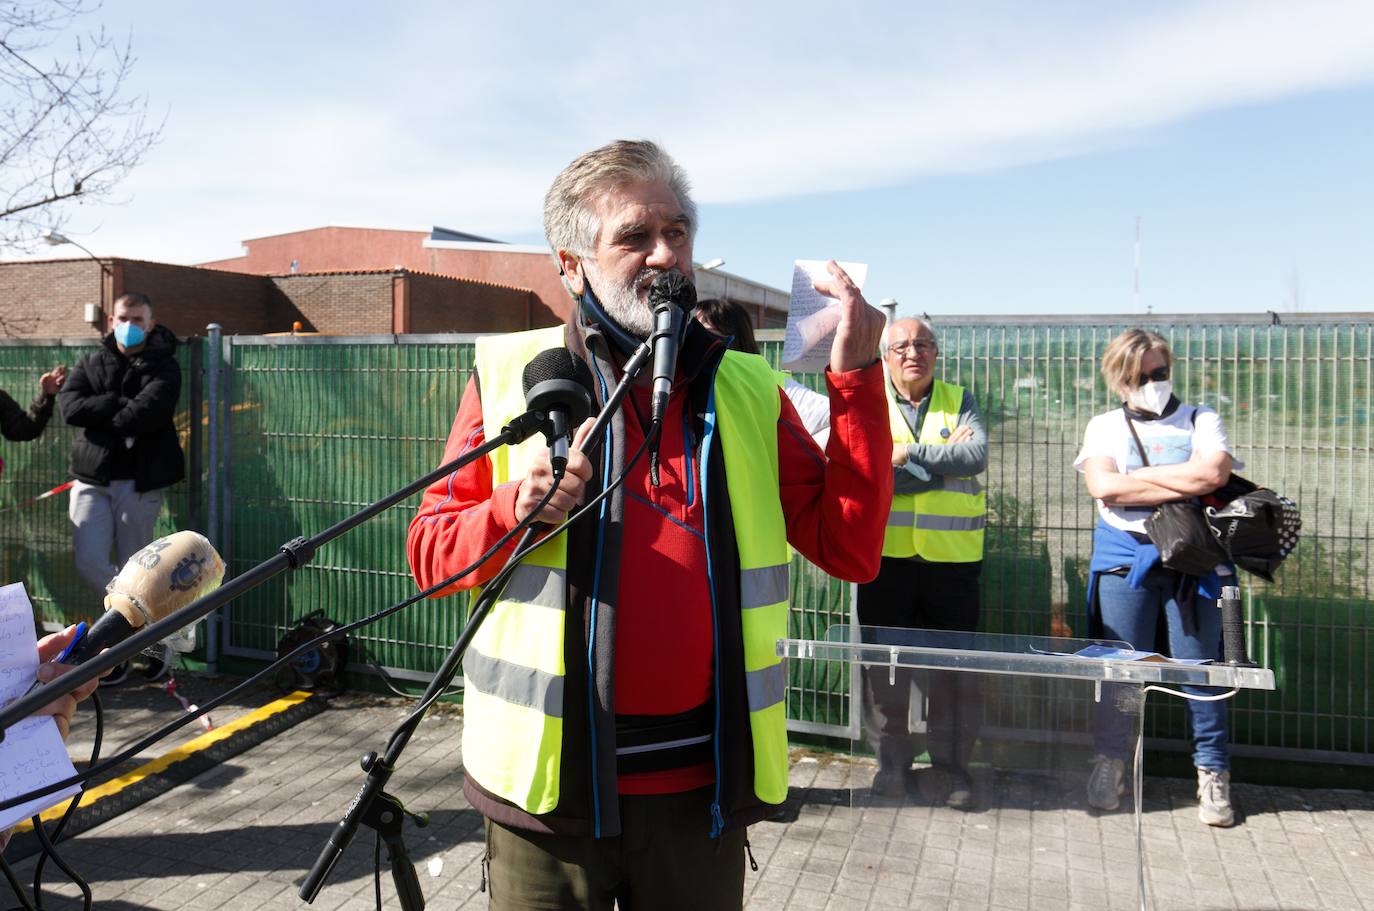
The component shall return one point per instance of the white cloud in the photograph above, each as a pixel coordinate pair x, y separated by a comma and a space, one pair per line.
462, 118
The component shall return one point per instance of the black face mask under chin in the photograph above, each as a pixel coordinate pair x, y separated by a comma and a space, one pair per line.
592, 310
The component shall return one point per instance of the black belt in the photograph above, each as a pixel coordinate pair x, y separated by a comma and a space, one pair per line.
656, 743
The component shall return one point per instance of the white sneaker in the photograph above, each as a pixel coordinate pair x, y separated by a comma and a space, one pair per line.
1214, 798
1106, 783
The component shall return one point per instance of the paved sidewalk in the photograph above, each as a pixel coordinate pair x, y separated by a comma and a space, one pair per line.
241, 836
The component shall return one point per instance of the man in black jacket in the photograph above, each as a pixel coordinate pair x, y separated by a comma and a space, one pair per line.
123, 396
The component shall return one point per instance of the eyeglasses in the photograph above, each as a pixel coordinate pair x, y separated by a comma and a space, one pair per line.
1157, 375
919, 346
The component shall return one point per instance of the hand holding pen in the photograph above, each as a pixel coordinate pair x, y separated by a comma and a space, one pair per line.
52, 649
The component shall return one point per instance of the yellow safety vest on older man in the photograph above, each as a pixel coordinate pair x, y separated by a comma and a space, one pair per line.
945, 524
513, 704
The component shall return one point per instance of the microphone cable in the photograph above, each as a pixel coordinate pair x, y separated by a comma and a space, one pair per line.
47, 843
95, 768
210, 704
186, 718
519, 555
491, 591
15, 887
1138, 773
215, 702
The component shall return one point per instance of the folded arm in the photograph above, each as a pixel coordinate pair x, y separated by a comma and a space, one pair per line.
964, 454
82, 406
1192, 478
154, 406
1156, 484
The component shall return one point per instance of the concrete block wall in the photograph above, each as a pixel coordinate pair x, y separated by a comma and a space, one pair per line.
187, 298
339, 304
441, 304
47, 299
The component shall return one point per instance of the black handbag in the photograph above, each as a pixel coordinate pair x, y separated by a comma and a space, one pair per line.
1239, 522
1180, 530
1258, 530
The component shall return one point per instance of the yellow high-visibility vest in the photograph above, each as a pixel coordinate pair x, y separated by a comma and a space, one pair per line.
943, 525
514, 668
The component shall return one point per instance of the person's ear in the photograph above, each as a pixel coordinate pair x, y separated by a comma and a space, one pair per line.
571, 267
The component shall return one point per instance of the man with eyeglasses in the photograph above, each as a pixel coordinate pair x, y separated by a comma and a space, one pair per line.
932, 557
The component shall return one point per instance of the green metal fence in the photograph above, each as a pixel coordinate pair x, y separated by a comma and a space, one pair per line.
325, 425
318, 430
35, 537
318, 427
1295, 403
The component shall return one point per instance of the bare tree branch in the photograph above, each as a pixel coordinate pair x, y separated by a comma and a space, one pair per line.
69, 130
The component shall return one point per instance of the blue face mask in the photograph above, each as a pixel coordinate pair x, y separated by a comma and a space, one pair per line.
596, 313
129, 335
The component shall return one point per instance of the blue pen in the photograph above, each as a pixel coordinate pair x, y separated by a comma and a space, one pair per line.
80, 631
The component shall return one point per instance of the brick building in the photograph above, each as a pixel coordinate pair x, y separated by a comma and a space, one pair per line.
71, 298
331, 280
446, 252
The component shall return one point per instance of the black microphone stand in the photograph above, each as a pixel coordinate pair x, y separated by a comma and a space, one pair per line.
292, 555
372, 806
375, 808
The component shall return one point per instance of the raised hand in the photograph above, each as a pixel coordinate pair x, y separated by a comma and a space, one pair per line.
860, 328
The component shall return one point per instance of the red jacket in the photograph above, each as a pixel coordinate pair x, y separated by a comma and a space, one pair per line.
835, 506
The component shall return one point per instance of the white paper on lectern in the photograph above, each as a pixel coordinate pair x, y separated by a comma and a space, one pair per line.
812, 316
32, 755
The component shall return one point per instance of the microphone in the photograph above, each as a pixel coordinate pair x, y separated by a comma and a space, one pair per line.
160, 579
559, 385
672, 297
1232, 628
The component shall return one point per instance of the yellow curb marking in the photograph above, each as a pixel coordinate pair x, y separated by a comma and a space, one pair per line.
186, 750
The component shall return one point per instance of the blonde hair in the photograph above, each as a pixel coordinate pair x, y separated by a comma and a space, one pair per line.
1121, 361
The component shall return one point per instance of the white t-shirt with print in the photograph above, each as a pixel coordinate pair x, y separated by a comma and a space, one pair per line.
1167, 441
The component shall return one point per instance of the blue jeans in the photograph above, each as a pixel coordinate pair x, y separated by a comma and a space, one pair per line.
1132, 614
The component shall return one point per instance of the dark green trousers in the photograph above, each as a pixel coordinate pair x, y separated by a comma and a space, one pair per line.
662, 860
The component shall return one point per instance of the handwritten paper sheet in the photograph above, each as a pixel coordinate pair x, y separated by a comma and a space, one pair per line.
812, 317
32, 755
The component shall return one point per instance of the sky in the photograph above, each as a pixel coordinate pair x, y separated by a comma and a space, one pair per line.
983, 157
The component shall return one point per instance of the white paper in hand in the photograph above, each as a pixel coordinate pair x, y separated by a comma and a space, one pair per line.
812, 317
32, 755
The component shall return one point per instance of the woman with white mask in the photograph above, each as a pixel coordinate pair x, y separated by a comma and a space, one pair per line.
1153, 449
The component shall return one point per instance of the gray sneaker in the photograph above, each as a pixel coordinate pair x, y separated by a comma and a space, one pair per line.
1106, 783
960, 795
1214, 798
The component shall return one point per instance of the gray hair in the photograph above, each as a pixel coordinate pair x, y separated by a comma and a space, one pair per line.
569, 222
934, 336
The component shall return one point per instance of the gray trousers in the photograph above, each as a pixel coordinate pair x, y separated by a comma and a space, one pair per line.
113, 518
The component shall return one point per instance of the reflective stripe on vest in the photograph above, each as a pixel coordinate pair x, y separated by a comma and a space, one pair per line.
514, 672
744, 405
945, 524
513, 705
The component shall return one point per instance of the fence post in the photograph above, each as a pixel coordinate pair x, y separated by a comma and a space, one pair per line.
194, 410
214, 364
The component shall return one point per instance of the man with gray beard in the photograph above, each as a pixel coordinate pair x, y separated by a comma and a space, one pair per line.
623, 718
